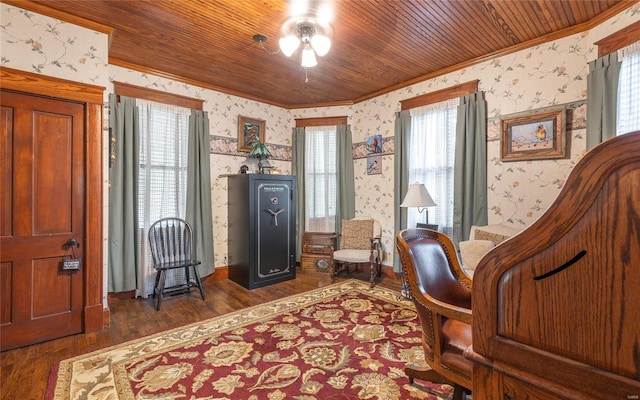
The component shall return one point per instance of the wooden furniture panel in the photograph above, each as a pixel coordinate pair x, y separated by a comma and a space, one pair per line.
556, 307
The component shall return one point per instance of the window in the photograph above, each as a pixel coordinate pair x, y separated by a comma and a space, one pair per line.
320, 178
628, 119
162, 184
431, 161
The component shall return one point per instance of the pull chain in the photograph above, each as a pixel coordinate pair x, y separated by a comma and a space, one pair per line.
306, 75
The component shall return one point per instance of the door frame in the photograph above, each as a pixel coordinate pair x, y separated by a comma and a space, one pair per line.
95, 314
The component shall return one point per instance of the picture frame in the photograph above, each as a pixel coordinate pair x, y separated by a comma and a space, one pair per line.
250, 131
374, 144
533, 136
374, 165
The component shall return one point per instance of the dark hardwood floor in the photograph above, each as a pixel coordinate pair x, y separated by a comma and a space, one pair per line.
24, 372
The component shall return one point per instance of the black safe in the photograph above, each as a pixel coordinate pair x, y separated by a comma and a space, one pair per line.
262, 229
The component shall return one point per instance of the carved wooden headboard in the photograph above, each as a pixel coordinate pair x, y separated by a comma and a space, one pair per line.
556, 308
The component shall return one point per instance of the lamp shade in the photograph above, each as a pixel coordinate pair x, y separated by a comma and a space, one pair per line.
259, 151
289, 44
321, 44
308, 57
417, 196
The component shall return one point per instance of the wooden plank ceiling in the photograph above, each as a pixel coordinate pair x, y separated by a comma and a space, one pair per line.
378, 45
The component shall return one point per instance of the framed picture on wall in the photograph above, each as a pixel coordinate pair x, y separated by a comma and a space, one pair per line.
250, 131
374, 144
374, 165
533, 136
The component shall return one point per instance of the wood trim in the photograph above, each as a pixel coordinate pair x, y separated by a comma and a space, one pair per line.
28, 82
441, 95
106, 318
125, 89
94, 309
323, 121
618, 40
92, 97
125, 64
319, 105
204, 85
219, 274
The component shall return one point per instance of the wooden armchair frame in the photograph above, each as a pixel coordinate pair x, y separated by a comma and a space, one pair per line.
441, 292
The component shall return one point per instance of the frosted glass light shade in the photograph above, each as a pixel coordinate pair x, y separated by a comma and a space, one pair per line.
308, 58
321, 44
289, 44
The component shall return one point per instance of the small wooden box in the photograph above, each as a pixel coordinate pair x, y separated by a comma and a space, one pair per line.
316, 262
317, 251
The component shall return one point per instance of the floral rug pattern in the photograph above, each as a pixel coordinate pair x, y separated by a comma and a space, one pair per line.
344, 341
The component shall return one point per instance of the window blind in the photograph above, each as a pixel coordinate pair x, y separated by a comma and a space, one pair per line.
162, 184
628, 118
320, 178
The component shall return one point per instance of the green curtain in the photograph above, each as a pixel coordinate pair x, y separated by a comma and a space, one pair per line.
297, 169
602, 99
198, 209
400, 175
470, 168
123, 247
345, 186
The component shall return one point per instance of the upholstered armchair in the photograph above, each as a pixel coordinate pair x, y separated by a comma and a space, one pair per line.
441, 292
360, 242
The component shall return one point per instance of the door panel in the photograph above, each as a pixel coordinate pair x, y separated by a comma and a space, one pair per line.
6, 154
44, 193
274, 229
52, 172
48, 279
5, 293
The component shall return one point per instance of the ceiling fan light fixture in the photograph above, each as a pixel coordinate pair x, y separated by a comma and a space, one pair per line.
308, 33
308, 57
289, 44
321, 44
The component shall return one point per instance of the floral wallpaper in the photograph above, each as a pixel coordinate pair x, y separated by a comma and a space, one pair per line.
550, 74
35, 43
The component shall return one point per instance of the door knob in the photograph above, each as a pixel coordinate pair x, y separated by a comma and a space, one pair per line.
72, 242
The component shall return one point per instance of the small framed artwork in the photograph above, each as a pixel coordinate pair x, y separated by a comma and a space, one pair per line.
374, 165
534, 136
250, 131
374, 144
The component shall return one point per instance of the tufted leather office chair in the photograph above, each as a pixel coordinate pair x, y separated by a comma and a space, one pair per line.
441, 292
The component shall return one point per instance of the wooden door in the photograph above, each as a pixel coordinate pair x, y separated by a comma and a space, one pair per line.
42, 189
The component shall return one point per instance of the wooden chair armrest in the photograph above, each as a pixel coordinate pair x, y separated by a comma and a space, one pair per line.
454, 312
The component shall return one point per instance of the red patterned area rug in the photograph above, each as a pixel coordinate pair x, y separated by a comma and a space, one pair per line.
343, 341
